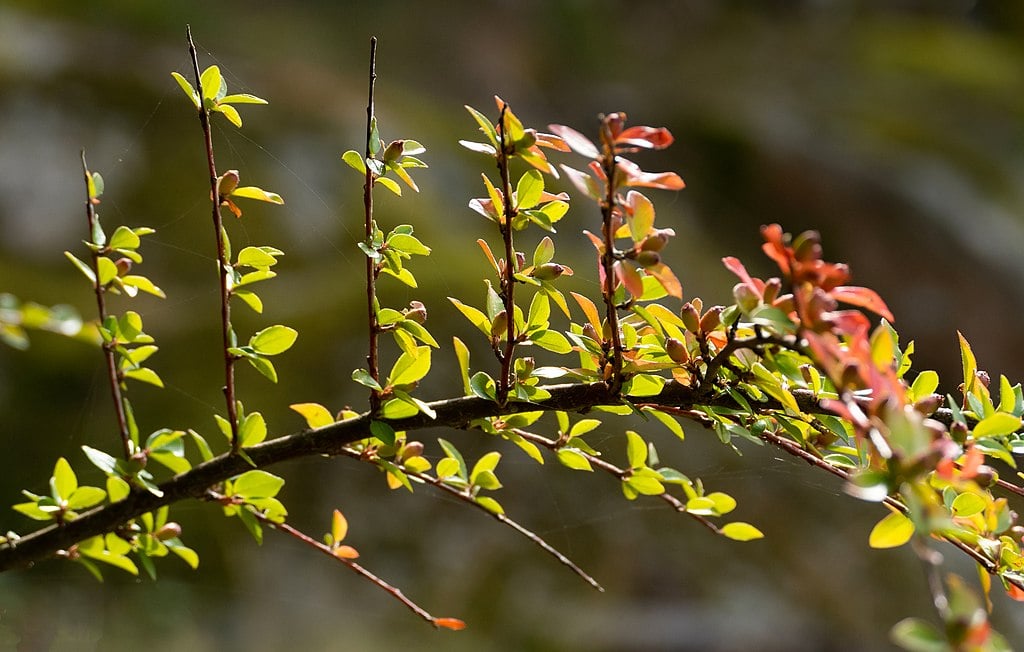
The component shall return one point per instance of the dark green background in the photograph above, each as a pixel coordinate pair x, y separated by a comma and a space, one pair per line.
896, 131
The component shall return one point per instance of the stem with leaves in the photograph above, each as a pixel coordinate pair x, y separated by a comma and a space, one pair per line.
608, 202
223, 263
372, 269
108, 347
508, 282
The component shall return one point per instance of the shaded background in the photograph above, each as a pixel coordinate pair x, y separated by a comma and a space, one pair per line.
897, 132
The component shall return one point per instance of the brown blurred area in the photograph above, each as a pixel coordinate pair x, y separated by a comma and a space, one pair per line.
895, 129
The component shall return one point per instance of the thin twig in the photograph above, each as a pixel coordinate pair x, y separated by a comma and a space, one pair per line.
222, 261
503, 519
394, 591
113, 379
373, 326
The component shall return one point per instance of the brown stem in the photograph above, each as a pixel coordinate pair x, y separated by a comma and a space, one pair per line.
108, 347
373, 326
223, 263
357, 568
508, 281
608, 163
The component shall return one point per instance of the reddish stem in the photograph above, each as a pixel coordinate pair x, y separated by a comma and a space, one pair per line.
373, 326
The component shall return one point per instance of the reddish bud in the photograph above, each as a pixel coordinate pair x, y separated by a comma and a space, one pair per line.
928, 405
648, 258
985, 476
711, 319
676, 350
691, 318
958, 431
169, 531
394, 151
591, 332
412, 449
136, 462
771, 290
520, 260
124, 265
655, 242
226, 183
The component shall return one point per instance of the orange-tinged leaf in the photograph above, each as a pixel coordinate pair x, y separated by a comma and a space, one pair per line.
450, 623
667, 279
346, 552
629, 277
1015, 592
339, 526
648, 137
589, 309
487, 252
577, 141
862, 298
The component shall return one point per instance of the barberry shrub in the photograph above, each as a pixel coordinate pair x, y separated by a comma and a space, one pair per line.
803, 362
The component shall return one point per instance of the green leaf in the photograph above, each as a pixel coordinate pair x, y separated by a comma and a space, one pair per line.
383, 431
475, 316
740, 531
997, 425
117, 489
552, 341
273, 340
390, 184
645, 485
250, 299
409, 369
355, 161
242, 98
187, 87
257, 484
103, 461
485, 125
918, 635
255, 257
925, 384
145, 375
668, 421
408, 244
210, 82
124, 238
892, 531
968, 504
64, 482
483, 386
253, 429
82, 267
490, 505
454, 453
529, 189
86, 497
645, 385
574, 459
417, 331
264, 366
636, 450
462, 355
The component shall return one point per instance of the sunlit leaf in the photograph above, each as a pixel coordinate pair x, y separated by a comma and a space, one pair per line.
740, 531
892, 531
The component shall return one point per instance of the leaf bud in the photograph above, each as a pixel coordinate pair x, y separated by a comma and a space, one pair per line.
746, 297
958, 431
416, 312
525, 367
500, 325
711, 319
124, 265
691, 318
985, 476
227, 183
520, 260
548, 271
655, 241
393, 151
412, 449
528, 140
676, 350
927, 405
772, 287
648, 258
169, 531
136, 462
591, 332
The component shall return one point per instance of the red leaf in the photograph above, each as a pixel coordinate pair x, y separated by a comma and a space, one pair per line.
1015, 592
862, 297
637, 178
647, 137
629, 277
736, 267
775, 248
449, 623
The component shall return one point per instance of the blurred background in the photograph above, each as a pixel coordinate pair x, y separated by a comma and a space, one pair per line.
896, 129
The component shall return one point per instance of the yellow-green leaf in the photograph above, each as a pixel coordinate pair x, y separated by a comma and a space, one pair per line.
740, 531
892, 531
316, 415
